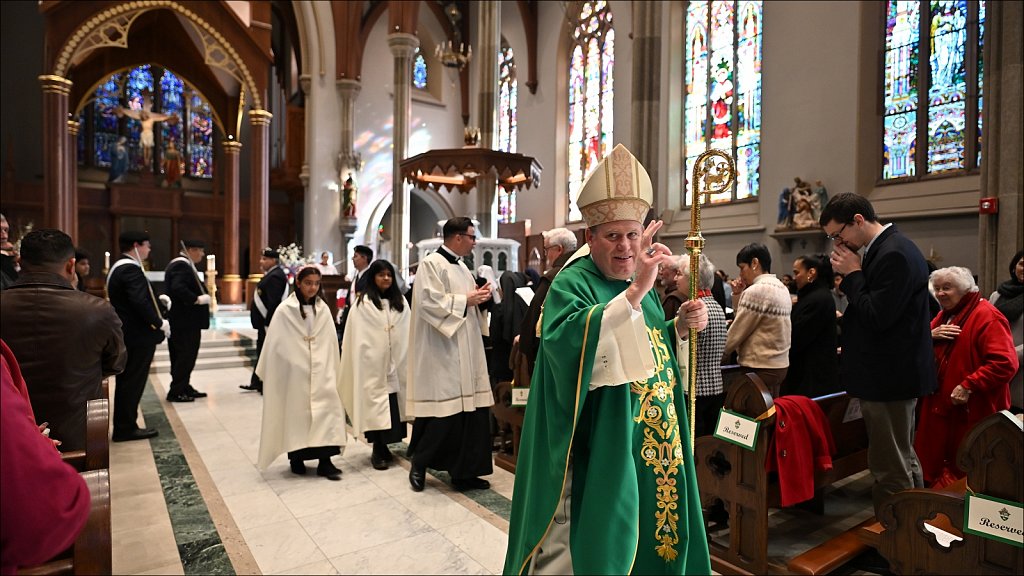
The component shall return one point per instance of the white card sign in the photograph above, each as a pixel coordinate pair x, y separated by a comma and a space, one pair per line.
520, 396
853, 411
737, 428
995, 518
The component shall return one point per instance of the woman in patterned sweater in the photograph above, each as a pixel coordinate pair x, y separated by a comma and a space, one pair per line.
761, 331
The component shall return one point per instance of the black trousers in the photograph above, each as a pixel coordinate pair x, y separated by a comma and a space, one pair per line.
255, 380
130, 385
397, 431
184, 348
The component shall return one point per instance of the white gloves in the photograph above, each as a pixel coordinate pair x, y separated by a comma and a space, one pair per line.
166, 301
203, 300
166, 327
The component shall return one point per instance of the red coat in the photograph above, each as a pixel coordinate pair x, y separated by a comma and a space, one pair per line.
802, 444
983, 359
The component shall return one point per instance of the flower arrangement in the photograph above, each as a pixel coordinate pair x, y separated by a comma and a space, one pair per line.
292, 259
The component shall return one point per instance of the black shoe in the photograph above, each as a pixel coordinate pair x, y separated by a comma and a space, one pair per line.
388, 456
298, 467
136, 434
252, 387
379, 462
463, 484
328, 470
417, 477
195, 393
180, 398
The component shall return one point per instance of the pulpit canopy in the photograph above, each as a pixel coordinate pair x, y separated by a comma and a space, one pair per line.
460, 168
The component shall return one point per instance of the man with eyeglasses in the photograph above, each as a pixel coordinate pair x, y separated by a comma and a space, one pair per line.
887, 360
559, 244
449, 391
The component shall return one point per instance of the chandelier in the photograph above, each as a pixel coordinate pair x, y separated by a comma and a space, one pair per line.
450, 58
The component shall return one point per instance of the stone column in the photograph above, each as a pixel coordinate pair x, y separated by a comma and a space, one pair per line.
230, 282
489, 25
259, 180
348, 163
1002, 157
646, 112
402, 48
72, 230
56, 189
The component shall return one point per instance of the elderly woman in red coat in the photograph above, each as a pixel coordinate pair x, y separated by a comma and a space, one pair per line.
975, 359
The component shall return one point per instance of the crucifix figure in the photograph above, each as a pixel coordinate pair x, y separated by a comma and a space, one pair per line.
147, 118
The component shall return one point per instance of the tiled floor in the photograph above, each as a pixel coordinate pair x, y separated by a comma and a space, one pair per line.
274, 522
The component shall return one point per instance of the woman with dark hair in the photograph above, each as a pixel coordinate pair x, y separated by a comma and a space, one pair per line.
373, 369
813, 362
1009, 299
302, 409
761, 329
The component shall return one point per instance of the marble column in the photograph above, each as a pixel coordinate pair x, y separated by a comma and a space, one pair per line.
230, 282
56, 189
348, 163
1002, 157
403, 46
259, 181
489, 25
72, 230
646, 112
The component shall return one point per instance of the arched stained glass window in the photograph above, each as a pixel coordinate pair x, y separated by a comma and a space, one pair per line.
508, 97
722, 88
419, 71
590, 96
193, 134
932, 87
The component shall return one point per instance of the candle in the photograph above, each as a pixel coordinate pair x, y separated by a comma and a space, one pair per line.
211, 263
106, 260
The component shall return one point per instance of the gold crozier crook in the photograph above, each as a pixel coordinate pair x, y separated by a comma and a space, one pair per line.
713, 172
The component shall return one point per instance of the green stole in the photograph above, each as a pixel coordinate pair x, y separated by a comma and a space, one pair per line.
635, 506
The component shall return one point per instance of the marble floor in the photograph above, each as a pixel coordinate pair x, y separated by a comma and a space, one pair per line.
192, 501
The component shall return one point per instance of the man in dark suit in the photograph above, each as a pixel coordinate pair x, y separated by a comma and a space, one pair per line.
361, 258
887, 360
144, 327
270, 291
189, 316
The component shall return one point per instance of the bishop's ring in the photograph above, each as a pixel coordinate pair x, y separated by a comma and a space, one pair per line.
650, 251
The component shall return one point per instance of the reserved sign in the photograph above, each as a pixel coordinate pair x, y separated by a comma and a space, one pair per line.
995, 519
520, 396
737, 428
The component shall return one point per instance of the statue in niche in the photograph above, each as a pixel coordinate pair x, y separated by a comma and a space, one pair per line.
348, 198
801, 201
118, 161
785, 215
172, 166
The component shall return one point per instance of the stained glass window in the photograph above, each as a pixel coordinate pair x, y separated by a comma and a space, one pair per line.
508, 98
590, 96
104, 120
193, 133
419, 71
932, 87
200, 149
722, 83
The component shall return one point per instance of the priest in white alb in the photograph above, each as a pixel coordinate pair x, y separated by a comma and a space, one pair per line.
449, 389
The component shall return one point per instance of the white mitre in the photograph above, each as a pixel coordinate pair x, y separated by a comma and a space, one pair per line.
618, 189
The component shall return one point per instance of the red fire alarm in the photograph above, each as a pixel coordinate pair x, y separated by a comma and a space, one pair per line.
988, 206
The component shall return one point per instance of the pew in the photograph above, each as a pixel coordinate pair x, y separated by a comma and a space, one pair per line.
91, 551
96, 455
738, 478
992, 454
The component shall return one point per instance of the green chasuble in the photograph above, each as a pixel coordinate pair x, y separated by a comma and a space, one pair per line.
634, 501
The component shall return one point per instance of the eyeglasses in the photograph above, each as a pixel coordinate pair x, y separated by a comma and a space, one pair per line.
470, 236
836, 236
546, 248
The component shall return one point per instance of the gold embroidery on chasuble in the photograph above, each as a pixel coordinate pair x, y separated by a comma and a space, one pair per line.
662, 450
